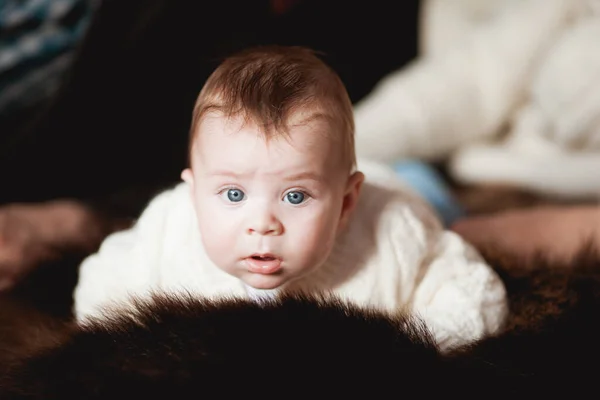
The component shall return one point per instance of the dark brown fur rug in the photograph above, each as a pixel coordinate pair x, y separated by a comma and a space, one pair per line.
299, 347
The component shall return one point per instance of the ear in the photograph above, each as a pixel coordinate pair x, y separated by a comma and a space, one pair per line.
188, 176
351, 197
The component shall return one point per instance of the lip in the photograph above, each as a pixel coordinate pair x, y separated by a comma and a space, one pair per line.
265, 267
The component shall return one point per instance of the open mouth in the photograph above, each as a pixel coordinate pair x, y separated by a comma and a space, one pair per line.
266, 257
263, 263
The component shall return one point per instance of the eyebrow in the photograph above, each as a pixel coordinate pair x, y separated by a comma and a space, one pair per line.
295, 177
302, 176
229, 174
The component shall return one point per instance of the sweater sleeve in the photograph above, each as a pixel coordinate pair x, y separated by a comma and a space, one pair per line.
126, 262
458, 295
441, 277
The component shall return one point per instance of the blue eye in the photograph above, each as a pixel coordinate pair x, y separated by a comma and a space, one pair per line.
235, 195
295, 197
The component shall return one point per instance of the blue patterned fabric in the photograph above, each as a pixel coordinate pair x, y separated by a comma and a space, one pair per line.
37, 39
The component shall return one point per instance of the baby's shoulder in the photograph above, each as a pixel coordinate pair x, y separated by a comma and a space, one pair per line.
386, 199
169, 198
166, 207
389, 226
391, 209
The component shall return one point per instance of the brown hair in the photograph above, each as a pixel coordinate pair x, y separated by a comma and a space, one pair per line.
266, 85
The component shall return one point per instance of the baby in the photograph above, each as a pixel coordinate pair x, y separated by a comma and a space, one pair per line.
273, 201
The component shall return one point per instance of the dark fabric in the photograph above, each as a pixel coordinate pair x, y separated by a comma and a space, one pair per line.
119, 125
191, 348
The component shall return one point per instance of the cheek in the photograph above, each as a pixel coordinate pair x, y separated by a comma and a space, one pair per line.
314, 233
217, 228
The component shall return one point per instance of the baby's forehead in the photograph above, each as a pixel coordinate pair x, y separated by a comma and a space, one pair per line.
223, 140
300, 122
308, 115
307, 130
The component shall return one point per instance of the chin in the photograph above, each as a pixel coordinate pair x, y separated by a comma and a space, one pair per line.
264, 282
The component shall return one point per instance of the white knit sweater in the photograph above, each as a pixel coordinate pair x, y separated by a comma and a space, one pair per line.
394, 256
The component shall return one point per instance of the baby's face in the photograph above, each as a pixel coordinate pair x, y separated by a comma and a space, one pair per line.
269, 211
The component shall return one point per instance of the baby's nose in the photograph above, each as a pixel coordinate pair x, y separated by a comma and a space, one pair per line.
265, 223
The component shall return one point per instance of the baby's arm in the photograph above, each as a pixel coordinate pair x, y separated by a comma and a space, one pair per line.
442, 277
459, 296
126, 263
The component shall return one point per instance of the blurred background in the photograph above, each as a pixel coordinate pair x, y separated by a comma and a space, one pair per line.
494, 93
107, 87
